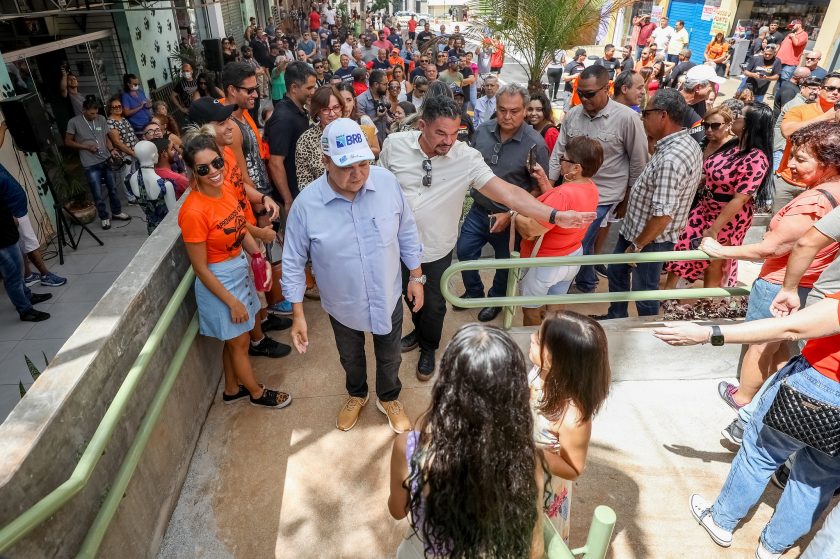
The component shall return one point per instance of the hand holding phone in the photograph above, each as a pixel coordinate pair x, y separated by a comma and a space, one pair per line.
532, 159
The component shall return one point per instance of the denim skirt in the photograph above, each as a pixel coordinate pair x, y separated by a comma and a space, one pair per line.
213, 314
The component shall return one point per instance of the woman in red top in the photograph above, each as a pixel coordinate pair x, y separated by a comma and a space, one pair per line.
214, 228
815, 163
541, 117
814, 474
578, 165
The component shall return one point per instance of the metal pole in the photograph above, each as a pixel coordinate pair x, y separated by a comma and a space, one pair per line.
600, 534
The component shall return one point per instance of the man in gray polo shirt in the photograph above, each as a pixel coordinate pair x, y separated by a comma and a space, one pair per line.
505, 143
622, 135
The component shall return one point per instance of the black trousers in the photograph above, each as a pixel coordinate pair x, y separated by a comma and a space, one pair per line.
428, 323
386, 349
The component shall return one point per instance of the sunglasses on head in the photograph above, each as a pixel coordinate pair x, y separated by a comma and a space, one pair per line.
203, 170
427, 168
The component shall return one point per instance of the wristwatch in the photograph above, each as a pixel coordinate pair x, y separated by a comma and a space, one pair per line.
552, 217
716, 337
418, 279
635, 247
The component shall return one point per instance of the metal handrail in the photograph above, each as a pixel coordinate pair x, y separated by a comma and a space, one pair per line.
597, 540
78, 480
510, 301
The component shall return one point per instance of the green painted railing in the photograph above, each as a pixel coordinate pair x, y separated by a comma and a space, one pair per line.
597, 541
510, 301
78, 480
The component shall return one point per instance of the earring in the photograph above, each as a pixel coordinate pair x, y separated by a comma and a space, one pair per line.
566, 177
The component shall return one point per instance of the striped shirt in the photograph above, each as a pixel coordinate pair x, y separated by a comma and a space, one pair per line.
666, 187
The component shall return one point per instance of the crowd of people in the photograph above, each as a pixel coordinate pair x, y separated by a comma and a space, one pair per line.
369, 154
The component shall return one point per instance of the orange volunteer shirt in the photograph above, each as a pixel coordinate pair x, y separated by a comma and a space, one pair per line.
824, 353
218, 222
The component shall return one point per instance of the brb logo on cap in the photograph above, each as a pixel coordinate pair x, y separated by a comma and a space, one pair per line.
347, 140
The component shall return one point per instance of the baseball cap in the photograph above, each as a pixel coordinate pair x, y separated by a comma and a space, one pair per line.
704, 73
207, 109
453, 60
345, 143
794, 22
395, 50
456, 90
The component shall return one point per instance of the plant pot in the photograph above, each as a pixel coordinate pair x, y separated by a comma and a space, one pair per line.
85, 212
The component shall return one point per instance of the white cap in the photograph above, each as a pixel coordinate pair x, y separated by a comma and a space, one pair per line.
345, 143
704, 73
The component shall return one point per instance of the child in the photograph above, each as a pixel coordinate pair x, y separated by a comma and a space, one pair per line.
569, 382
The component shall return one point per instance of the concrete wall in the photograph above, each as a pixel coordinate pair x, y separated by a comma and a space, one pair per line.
148, 55
43, 438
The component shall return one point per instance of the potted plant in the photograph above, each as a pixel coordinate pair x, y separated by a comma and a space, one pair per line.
64, 174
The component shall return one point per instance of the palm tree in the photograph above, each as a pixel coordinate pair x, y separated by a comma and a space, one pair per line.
537, 29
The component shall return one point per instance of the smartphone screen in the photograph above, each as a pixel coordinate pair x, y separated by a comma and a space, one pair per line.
532, 159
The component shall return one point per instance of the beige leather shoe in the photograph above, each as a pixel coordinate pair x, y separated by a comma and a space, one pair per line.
395, 413
349, 414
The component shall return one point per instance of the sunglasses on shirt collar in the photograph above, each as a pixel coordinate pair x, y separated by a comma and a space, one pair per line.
427, 168
203, 170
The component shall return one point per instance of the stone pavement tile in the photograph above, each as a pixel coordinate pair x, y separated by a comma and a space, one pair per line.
14, 365
75, 263
115, 262
5, 348
12, 328
88, 287
65, 318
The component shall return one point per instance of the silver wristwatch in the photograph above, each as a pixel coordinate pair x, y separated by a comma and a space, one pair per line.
419, 279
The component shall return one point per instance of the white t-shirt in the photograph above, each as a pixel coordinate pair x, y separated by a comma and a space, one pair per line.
662, 37
437, 208
330, 16
679, 40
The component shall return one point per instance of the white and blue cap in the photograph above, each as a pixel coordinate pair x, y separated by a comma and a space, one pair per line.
345, 143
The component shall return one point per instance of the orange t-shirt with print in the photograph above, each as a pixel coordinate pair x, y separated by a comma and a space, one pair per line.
233, 177
813, 203
218, 222
824, 353
264, 154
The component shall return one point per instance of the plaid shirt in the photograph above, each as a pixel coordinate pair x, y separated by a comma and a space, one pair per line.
666, 187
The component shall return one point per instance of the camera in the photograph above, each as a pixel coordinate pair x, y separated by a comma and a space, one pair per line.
381, 106
744, 65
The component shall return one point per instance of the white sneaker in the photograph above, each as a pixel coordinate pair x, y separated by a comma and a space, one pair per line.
702, 512
762, 552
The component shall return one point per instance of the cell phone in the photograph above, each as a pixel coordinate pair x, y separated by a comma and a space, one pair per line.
744, 65
492, 221
694, 243
532, 159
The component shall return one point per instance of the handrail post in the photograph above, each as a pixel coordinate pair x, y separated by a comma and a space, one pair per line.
512, 281
600, 534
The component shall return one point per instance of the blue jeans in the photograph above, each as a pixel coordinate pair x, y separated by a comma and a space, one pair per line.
475, 233
827, 541
11, 270
787, 72
586, 279
95, 175
644, 277
813, 477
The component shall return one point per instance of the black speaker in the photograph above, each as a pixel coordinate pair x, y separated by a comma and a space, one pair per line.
27, 122
213, 54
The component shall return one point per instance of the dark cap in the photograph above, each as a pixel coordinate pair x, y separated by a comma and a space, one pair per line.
453, 60
207, 109
580, 52
456, 90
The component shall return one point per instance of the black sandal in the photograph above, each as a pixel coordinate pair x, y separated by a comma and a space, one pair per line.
272, 399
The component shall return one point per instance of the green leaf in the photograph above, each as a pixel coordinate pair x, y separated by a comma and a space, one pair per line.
21, 389
33, 370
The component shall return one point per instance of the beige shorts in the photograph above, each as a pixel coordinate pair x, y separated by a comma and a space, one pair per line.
28, 239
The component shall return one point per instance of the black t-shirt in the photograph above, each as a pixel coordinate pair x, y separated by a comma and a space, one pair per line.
611, 65
693, 122
424, 36
466, 72
572, 69
380, 64
776, 38
677, 71
282, 131
627, 65
784, 93
418, 71
346, 74
762, 67
8, 230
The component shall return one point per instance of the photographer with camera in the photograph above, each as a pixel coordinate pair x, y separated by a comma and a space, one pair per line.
69, 89
374, 104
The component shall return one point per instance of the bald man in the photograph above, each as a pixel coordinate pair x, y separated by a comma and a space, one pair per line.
789, 89
812, 62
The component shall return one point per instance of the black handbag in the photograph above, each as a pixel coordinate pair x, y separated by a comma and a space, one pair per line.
807, 420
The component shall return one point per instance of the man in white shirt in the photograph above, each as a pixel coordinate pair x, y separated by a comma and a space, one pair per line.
347, 46
486, 106
435, 172
679, 41
329, 15
662, 35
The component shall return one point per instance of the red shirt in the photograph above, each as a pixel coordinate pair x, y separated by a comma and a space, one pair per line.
412, 25
359, 87
561, 241
824, 353
789, 51
180, 181
314, 21
645, 31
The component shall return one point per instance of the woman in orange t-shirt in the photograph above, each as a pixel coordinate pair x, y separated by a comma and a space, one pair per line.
814, 475
816, 164
582, 159
214, 228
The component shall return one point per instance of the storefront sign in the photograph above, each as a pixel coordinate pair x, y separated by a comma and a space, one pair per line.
721, 22
655, 14
710, 8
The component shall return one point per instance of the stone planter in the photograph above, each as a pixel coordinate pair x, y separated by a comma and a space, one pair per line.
85, 212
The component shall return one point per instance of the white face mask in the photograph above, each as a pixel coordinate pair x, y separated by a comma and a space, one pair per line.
135, 87
187, 75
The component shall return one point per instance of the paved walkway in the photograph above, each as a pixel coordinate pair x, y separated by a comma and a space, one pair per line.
90, 271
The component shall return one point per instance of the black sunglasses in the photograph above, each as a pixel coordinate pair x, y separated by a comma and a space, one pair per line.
203, 170
249, 90
495, 159
712, 125
589, 94
427, 168
831, 88
646, 111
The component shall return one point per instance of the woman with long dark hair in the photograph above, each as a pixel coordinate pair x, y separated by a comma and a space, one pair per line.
716, 52
540, 115
469, 474
736, 179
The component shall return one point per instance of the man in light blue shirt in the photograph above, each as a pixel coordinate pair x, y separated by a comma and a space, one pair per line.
486, 105
355, 225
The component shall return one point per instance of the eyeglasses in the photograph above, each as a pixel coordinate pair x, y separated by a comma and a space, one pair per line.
427, 168
569, 161
494, 160
831, 88
334, 109
712, 125
394, 87
589, 94
203, 170
114, 107
646, 112
319, 66
151, 131
248, 90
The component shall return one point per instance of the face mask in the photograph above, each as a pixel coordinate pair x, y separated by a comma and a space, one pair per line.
134, 87
187, 75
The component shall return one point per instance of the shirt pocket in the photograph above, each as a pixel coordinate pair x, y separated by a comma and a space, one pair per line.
386, 227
